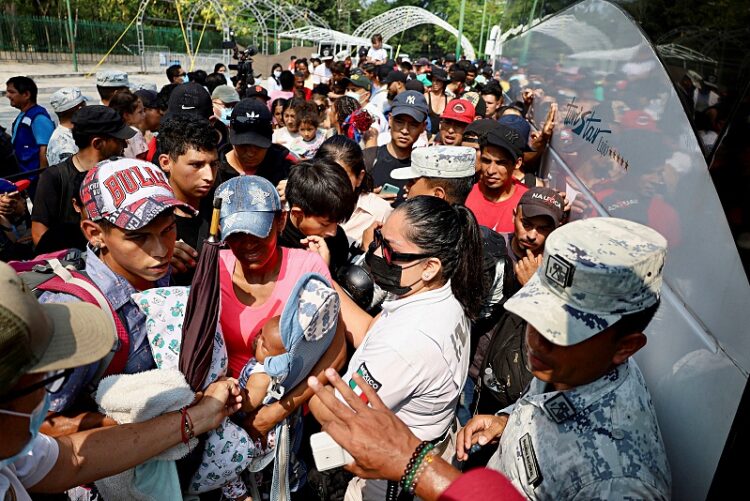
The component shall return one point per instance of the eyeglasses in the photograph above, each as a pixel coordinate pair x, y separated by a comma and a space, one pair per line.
389, 254
54, 382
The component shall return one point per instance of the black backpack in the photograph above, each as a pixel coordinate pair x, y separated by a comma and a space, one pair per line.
503, 375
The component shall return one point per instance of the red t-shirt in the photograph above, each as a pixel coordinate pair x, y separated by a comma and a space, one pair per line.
240, 323
497, 216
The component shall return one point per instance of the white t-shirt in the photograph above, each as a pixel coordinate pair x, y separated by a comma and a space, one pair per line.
28, 470
283, 137
380, 100
321, 74
417, 357
377, 54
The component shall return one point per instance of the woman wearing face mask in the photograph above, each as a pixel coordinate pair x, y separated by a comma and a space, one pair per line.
273, 81
416, 352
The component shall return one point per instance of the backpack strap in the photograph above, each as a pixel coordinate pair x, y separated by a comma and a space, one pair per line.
80, 286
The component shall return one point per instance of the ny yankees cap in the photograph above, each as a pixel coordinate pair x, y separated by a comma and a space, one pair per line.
506, 138
249, 205
410, 103
439, 161
190, 99
593, 272
520, 125
128, 193
250, 123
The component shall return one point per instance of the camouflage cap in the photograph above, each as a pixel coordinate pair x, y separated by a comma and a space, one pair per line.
594, 271
112, 78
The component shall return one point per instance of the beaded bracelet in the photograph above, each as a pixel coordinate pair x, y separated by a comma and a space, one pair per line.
412, 467
425, 464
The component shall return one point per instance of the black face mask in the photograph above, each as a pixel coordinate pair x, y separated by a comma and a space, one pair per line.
388, 276
391, 96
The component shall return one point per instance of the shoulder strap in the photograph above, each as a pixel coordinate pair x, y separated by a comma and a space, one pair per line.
80, 286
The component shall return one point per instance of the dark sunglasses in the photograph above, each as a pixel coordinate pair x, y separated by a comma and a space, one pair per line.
389, 254
53, 383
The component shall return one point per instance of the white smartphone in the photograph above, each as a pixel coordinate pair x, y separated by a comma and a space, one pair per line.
327, 453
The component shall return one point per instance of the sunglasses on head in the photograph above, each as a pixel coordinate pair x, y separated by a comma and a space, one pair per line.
389, 254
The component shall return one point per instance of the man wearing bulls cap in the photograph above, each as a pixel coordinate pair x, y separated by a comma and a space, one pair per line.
131, 233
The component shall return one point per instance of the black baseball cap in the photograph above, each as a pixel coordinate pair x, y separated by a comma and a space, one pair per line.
149, 98
257, 91
480, 128
415, 85
250, 123
410, 103
190, 99
437, 73
98, 120
506, 138
395, 76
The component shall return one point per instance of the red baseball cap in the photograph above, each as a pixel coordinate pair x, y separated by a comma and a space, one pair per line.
459, 110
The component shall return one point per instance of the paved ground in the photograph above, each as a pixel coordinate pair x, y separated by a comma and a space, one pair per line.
50, 77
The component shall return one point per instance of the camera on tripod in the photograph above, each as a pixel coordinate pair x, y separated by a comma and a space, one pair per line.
244, 67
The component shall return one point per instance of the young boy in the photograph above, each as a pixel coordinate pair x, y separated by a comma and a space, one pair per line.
190, 159
131, 233
320, 196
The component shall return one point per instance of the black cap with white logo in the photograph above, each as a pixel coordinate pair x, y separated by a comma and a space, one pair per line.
190, 99
250, 124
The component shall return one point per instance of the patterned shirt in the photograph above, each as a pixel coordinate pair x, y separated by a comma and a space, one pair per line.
61, 145
118, 292
597, 441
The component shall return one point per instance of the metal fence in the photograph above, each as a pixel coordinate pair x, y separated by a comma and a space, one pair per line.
31, 38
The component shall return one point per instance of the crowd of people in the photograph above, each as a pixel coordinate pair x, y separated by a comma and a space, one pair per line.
478, 335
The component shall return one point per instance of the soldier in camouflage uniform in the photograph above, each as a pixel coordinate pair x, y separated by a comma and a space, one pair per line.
586, 428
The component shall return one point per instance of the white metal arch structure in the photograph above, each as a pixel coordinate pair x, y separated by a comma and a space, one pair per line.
401, 19
221, 22
319, 36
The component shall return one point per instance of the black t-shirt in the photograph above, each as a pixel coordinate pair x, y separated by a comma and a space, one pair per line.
381, 169
338, 245
53, 201
275, 166
193, 231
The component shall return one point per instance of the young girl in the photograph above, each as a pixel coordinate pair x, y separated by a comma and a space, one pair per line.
130, 107
290, 131
277, 111
310, 136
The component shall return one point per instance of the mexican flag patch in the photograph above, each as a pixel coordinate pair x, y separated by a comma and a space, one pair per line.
365, 374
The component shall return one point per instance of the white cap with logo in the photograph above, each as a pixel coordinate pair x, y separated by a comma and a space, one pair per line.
439, 161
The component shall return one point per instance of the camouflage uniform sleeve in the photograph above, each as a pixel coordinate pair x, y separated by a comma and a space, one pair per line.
618, 489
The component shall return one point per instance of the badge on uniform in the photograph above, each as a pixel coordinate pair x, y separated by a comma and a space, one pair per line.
530, 463
559, 271
560, 408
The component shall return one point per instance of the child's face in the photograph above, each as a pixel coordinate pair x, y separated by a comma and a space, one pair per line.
268, 343
307, 131
290, 120
278, 115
